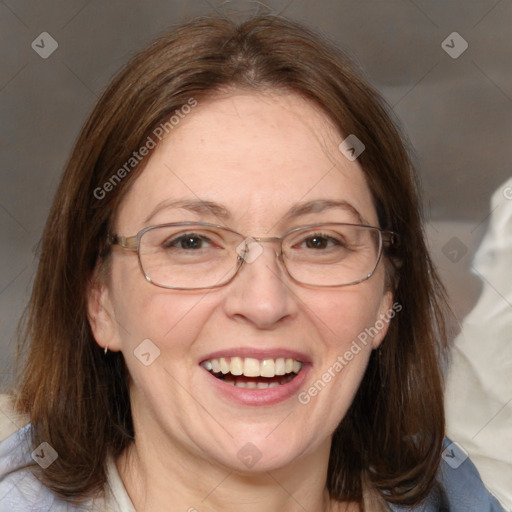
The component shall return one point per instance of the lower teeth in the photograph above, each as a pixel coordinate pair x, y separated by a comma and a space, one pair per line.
254, 385
259, 385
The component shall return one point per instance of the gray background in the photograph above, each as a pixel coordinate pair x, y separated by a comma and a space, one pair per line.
456, 112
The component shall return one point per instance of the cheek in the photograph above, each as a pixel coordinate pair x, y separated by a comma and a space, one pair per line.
346, 315
158, 342
168, 320
347, 321
344, 320
144, 311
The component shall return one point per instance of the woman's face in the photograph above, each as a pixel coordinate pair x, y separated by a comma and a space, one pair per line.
257, 157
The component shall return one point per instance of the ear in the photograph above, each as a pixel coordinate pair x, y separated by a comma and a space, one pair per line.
387, 311
100, 314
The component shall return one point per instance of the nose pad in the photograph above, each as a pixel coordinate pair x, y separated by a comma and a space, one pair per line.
249, 250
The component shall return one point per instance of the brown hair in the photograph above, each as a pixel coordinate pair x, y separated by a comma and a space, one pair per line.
77, 398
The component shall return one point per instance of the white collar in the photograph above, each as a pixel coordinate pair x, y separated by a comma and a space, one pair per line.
116, 497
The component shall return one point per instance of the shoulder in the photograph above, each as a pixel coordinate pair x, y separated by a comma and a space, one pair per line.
462, 484
460, 487
20, 490
10, 420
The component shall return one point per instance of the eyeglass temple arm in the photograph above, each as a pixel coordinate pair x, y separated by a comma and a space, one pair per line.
131, 243
390, 238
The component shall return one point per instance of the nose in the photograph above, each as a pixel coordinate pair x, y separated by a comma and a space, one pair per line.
261, 292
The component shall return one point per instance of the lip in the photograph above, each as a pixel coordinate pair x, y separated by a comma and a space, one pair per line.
259, 397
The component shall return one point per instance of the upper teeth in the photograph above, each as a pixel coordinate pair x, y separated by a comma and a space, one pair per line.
250, 367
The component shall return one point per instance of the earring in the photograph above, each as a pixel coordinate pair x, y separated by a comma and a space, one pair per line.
106, 349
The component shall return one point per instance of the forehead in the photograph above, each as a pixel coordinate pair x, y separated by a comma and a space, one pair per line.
258, 156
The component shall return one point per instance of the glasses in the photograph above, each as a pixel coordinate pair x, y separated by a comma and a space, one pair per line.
197, 255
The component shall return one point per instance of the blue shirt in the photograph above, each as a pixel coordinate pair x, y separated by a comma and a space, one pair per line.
20, 491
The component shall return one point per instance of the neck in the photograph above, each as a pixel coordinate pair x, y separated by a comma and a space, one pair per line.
153, 480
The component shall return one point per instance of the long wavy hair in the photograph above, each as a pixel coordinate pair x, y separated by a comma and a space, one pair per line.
77, 399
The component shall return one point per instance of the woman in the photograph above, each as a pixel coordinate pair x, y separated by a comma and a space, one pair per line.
234, 307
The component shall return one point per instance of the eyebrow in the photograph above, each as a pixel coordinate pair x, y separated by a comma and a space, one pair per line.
320, 205
298, 210
196, 206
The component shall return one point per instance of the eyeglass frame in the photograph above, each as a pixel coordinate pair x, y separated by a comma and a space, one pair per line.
387, 238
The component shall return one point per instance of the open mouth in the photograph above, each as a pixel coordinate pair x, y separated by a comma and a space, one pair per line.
251, 373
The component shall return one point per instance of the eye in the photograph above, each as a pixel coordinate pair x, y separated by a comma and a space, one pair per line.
321, 241
188, 241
